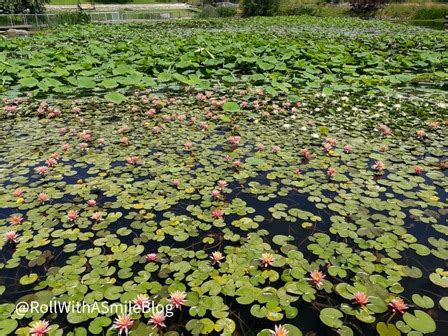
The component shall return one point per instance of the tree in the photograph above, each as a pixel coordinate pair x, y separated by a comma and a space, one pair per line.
367, 7
259, 7
23, 6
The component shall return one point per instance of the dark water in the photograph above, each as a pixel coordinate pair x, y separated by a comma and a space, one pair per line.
432, 24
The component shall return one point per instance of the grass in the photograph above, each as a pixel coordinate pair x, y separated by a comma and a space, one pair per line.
136, 2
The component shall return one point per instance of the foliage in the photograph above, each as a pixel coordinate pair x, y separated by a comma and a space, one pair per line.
23, 6
367, 7
259, 7
214, 12
260, 178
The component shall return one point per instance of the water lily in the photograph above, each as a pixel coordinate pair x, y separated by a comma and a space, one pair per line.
348, 149
305, 153
65, 147
279, 330
434, 125
420, 134
216, 257
133, 160
41, 170
331, 141
39, 328
91, 203
177, 299
51, 162
234, 140
317, 278
327, 147
276, 149
16, 219
216, 194
267, 259
188, 146
217, 214
42, 197
176, 182
236, 164
383, 148
398, 305
142, 301
86, 136
17, 193
260, 147
385, 130
12, 236
331, 172
418, 170
361, 299
123, 323
151, 257
124, 141
222, 184
97, 216
379, 166
101, 141
158, 319
72, 215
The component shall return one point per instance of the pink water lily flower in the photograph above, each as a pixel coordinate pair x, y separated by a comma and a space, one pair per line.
216, 257
65, 147
124, 141
379, 166
91, 203
151, 257
188, 146
39, 328
97, 216
276, 149
420, 134
385, 130
317, 278
327, 147
418, 170
279, 330
260, 147
72, 215
158, 319
216, 194
398, 305
305, 153
17, 193
142, 301
222, 184
41, 170
267, 259
177, 299
12, 237
16, 219
123, 323
133, 160
51, 162
331, 172
217, 214
236, 164
361, 299
176, 183
42, 197
348, 149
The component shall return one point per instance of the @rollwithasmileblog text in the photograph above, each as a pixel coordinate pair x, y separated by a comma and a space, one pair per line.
102, 307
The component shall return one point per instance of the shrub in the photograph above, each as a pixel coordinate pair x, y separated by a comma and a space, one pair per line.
259, 7
367, 7
23, 6
213, 12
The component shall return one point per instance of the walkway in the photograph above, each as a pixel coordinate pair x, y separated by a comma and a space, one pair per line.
116, 7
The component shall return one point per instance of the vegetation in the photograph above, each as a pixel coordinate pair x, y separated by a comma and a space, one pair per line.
23, 6
259, 7
367, 7
266, 176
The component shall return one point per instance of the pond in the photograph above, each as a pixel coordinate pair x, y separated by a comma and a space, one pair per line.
242, 186
433, 24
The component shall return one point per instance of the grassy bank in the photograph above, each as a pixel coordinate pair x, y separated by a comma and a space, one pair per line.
413, 11
136, 2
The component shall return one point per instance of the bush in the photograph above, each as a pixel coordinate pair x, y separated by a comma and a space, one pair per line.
23, 6
259, 7
367, 7
213, 12
430, 13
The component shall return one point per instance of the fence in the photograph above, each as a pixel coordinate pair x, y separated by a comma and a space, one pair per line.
26, 21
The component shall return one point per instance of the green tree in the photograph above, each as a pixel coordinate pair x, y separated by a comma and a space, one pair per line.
259, 7
367, 7
23, 6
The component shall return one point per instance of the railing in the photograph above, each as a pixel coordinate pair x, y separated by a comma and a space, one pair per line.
44, 20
